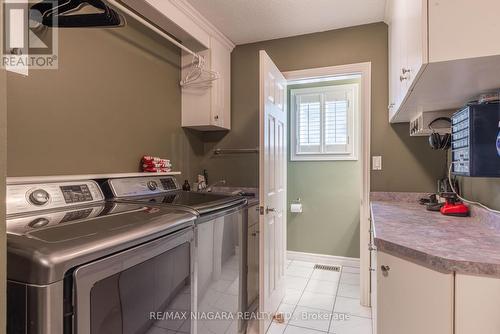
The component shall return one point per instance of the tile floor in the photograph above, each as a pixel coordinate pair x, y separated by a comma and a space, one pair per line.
320, 301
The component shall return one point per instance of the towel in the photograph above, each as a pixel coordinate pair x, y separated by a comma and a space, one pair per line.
153, 164
156, 170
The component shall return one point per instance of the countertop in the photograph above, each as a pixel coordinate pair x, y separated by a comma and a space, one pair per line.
228, 190
467, 245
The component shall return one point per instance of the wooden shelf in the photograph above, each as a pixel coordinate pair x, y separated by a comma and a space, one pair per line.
63, 178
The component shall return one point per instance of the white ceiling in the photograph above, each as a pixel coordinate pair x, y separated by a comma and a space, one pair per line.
246, 21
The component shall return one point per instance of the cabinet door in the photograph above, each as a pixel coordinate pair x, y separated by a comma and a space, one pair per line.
460, 29
415, 41
477, 301
373, 281
221, 91
395, 55
253, 264
412, 299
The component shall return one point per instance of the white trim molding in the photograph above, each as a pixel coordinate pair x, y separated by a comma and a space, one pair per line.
202, 22
323, 259
363, 69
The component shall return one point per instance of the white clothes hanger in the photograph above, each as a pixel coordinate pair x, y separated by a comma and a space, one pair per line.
198, 76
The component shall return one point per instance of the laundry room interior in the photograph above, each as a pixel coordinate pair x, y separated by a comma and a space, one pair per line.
217, 166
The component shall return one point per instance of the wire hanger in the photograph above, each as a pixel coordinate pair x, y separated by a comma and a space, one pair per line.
64, 13
198, 76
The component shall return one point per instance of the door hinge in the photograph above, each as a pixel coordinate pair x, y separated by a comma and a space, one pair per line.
261, 210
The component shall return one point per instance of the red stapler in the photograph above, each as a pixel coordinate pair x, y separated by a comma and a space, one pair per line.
453, 206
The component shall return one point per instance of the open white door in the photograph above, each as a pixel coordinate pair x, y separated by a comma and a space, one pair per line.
272, 185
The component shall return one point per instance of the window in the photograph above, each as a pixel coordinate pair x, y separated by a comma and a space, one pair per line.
323, 122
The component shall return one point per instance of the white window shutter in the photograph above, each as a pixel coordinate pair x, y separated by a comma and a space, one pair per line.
309, 123
323, 122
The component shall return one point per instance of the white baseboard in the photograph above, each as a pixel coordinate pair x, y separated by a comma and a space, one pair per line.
324, 259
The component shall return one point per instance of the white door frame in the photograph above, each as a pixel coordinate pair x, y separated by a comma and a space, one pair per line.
363, 69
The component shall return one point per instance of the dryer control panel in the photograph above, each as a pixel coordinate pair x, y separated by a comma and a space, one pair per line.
43, 196
140, 186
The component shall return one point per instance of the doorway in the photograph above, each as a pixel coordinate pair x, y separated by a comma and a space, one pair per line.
324, 171
273, 162
352, 153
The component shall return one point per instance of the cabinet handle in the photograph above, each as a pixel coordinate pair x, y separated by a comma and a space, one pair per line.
402, 78
254, 234
405, 70
391, 105
216, 117
385, 269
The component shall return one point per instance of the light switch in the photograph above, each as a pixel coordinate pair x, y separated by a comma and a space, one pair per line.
377, 162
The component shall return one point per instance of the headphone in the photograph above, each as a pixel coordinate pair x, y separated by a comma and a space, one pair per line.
437, 141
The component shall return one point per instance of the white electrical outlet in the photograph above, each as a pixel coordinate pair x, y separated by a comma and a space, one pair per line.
377, 162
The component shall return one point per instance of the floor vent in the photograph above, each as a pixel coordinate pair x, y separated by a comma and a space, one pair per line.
325, 267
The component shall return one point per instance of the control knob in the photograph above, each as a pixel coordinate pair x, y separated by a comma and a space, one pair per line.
39, 197
152, 185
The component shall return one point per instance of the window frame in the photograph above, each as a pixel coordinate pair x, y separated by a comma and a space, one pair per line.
352, 127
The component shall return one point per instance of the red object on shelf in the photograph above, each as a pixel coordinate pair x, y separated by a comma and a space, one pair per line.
155, 164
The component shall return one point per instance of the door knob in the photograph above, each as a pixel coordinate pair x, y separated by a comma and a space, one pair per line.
268, 209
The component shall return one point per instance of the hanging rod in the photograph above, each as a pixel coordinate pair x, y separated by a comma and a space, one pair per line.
219, 151
151, 26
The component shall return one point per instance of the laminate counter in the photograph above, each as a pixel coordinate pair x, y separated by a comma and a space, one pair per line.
467, 245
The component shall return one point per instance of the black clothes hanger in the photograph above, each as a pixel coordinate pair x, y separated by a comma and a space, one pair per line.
60, 13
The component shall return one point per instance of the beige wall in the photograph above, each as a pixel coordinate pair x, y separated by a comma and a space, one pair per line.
115, 97
483, 190
409, 165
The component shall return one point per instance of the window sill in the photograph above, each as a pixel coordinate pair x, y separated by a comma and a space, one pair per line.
323, 158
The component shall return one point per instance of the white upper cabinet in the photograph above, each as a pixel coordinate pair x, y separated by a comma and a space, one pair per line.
442, 54
209, 108
461, 29
203, 108
407, 48
414, 41
395, 57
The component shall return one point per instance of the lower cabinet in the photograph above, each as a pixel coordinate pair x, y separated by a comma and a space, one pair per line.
477, 305
253, 257
412, 299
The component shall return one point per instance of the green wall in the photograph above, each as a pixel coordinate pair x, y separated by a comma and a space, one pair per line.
408, 163
329, 193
